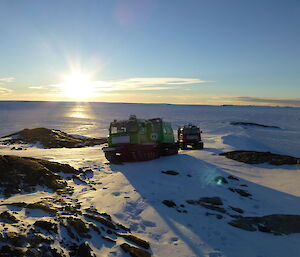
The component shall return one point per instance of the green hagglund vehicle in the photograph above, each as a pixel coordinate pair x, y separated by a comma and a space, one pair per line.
139, 140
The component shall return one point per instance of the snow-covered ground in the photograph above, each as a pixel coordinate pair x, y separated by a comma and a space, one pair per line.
133, 192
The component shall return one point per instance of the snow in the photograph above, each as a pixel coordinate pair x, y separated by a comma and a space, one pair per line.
133, 192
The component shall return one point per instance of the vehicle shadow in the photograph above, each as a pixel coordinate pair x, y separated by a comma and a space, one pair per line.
201, 232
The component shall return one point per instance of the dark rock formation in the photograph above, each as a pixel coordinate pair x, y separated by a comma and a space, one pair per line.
210, 200
275, 224
252, 124
84, 250
136, 240
46, 225
170, 172
54, 234
169, 203
241, 192
51, 138
232, 178
210, 203
239, 210
101, 220
254, 157
29, 172
8, 217
134, 251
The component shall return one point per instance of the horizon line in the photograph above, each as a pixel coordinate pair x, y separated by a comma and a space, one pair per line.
216, 105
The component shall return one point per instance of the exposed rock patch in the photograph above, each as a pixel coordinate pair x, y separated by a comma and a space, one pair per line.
254, 157
241, 192
207, 200
238, 123
46, 225
50, 138
275, 224
29, 172
8, 217
211, 203
44, 236
239, 210
170, 172
169, 203
134, 251
136, 240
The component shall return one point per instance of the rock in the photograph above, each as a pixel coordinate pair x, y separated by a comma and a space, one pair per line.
209, 203
239, 210
254, 157
29, 172
51, 138
232, 177
212, 200
109, 239
212, 207
46, 225
275, 223
84, 250
136, 240
55, 252
241, 192
79, 225
8, 250
101, 220
15, 238
169, 203
134, 251
42, 205
121, 226
95, 211
253, 124
170, 172
7, 217
242, 224
38, 238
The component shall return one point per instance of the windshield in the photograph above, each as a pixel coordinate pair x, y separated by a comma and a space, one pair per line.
123, 127
190, 131
131, 126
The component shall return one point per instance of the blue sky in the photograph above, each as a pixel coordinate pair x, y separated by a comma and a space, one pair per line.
204, 51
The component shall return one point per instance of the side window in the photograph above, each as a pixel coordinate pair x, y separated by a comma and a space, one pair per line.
169, 130
114, 130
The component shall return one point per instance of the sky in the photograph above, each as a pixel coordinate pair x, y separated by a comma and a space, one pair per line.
150, 51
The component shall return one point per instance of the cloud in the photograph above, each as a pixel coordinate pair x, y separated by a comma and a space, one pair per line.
5, 91
133, 84
145, 84
37, 87
6, 80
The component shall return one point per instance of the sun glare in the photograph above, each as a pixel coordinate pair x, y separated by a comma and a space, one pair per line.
77, 86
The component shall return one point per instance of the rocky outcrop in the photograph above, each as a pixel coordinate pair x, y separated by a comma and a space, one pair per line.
50, 138
43, 236
238, 123
134, 251
29, 172
276, 224
254, 157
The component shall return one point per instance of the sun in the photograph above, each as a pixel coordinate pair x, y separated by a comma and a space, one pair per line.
77, 86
